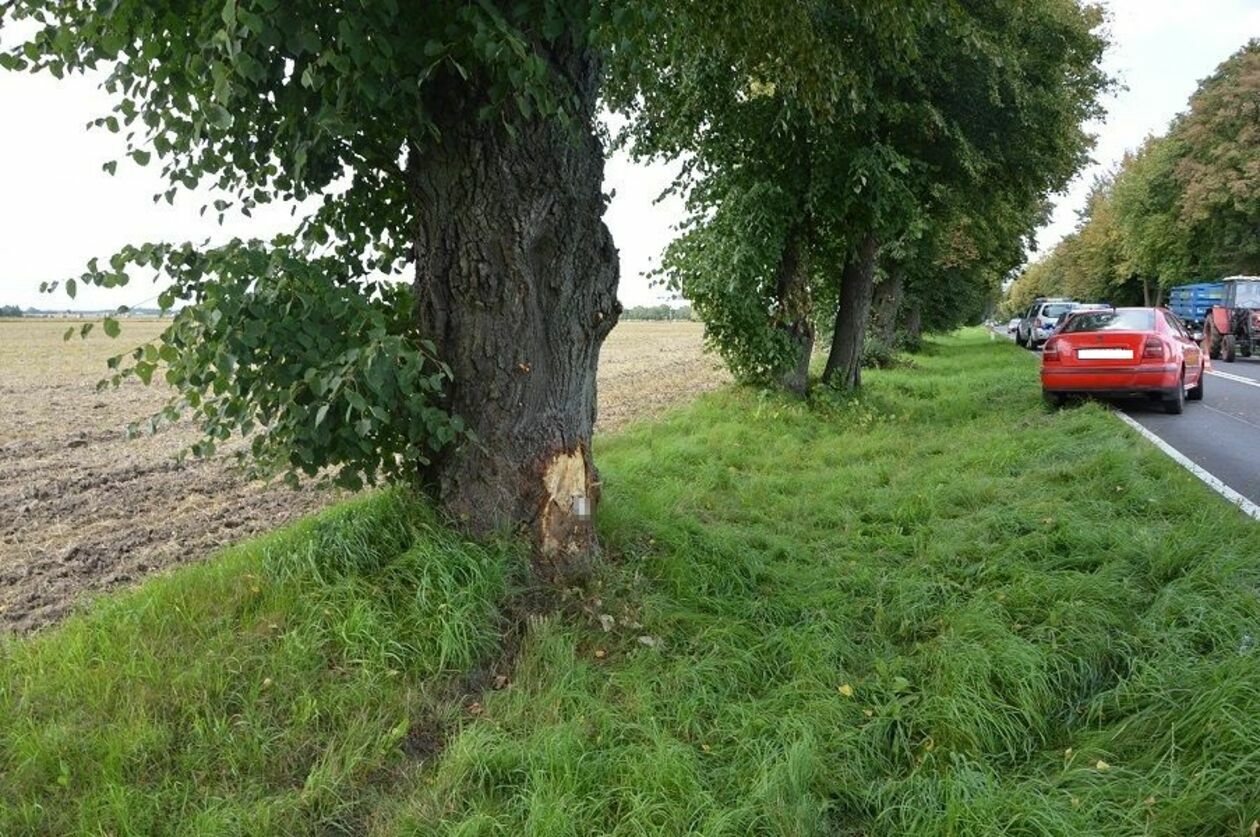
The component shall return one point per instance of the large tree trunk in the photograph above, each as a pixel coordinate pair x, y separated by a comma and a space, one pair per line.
794, 318
844, 363
516, 284
885, 304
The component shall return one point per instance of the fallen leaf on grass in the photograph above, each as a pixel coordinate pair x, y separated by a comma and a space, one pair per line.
846, 690
1102, 766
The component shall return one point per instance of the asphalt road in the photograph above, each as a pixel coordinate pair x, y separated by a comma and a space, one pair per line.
1221, 433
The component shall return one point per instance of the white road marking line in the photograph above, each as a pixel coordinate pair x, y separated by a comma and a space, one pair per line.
1230, 415
1246, 506
1229, 376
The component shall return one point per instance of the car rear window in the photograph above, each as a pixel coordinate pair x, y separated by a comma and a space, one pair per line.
1053, 312
1132, 319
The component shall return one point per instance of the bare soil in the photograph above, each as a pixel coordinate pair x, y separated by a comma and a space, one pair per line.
82, 509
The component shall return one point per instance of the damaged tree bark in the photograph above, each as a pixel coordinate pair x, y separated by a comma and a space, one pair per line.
844, 362
516, 284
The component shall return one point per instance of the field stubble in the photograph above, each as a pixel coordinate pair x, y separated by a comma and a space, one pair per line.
83, 509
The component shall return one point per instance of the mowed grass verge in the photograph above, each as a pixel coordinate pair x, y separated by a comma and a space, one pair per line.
935, 609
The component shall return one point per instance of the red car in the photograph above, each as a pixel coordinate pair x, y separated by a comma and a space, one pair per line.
1123, 352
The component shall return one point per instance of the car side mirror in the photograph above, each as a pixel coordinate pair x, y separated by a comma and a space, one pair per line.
1197, 336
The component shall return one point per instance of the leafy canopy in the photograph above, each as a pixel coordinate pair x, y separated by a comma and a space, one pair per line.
1185, 207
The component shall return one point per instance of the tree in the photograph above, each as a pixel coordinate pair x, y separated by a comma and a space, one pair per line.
453, 139
1153, 239
756, 240
1218, 170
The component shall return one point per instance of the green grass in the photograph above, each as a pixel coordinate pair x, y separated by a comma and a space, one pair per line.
935, 609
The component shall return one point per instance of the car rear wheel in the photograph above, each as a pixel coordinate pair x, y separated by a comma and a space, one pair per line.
1054, 400
1019, 339
1196, 391
1175, 401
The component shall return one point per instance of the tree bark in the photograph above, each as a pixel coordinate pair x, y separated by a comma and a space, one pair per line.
914, 326
885, 305
844, 362
794, 318
516, 284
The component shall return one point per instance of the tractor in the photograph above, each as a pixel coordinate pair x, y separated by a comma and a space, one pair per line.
1233, 327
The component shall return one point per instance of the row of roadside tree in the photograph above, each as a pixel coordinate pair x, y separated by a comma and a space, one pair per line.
1184, 207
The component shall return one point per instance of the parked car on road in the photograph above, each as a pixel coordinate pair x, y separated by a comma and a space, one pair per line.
1038, 323
1082, 306
1124, 352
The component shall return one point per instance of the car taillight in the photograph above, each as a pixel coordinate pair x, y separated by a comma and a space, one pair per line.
1051, 351
1154, 349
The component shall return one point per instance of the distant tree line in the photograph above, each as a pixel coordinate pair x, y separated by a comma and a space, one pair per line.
10, 311
657, 312
1185, 207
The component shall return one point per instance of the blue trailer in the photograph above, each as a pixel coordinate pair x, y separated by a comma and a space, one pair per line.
1192, 302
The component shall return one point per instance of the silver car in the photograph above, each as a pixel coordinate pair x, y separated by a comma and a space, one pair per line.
1040, 320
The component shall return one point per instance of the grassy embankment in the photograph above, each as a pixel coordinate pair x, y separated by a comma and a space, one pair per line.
938, 609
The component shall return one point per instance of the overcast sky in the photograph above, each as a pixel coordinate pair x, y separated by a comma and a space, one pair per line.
58, 208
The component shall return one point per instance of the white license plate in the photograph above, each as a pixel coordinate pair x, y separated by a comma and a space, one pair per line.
1105, 354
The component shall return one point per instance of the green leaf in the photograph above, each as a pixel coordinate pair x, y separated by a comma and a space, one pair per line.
218, 116
72, 288
111, 327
